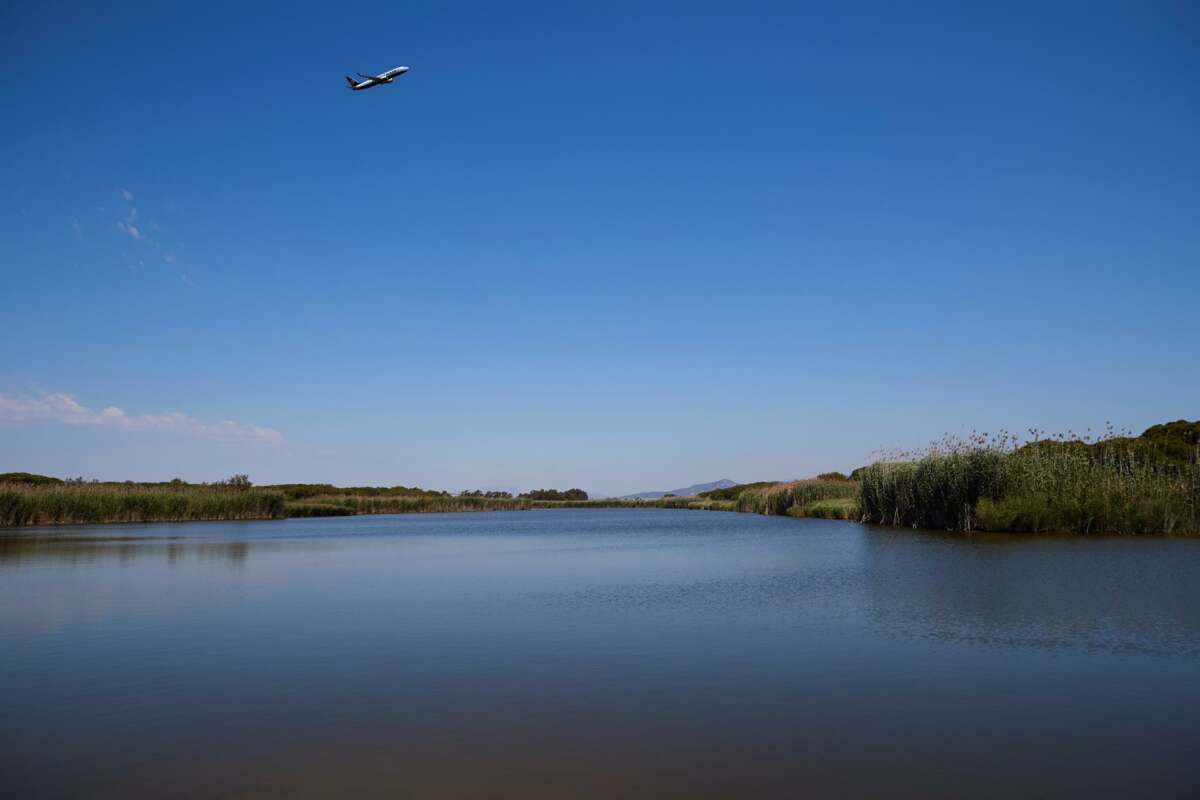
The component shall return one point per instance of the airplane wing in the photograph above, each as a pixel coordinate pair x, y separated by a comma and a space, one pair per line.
369, 77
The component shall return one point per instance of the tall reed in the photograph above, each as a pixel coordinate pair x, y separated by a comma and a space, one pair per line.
408, 504
1113, 485
66, 503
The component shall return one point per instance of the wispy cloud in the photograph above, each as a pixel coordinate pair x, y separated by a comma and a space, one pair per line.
64, 408
129, 228
136, 228
147, 231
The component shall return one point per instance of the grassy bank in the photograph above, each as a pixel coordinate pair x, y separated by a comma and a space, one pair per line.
70, 504
794, 497
843, 508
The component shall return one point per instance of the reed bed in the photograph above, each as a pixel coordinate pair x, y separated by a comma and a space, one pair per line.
339, 505
70, 504
1113, 485
780, 497
317, 508
434, 504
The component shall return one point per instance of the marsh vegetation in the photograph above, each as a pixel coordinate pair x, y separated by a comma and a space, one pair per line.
67, 503
1111, 483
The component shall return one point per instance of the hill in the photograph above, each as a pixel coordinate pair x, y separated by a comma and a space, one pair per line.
686, 491
27, 477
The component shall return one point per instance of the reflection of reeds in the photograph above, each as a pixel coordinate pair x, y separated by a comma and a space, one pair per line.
1113, 485
64, 504
20, 548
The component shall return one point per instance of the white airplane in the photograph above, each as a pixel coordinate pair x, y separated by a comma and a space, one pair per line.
375, 80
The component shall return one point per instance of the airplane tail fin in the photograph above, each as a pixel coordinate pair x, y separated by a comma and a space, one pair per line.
353, 83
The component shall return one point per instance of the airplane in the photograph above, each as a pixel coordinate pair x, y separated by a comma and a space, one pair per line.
375, 80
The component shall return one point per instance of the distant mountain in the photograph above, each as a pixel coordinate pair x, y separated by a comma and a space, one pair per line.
686, 491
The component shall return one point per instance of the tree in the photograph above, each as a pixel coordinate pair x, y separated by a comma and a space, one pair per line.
239, 482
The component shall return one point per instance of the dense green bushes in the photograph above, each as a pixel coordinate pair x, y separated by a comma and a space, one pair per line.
27, 477
555, 494
304, 491
732, 492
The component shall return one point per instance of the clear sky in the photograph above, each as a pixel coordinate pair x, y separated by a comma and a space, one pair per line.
620, 246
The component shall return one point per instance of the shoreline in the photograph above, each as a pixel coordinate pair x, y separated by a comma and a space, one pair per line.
377, 507
1147, 485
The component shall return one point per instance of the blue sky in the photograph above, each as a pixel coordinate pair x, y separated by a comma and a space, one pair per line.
616, 246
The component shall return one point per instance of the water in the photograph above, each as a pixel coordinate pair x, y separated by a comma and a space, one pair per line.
594, 653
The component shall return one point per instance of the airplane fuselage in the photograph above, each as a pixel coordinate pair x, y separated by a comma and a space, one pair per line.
376, 80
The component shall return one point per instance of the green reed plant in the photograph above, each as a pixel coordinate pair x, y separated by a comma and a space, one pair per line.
1113, 484
72, 503
423, 504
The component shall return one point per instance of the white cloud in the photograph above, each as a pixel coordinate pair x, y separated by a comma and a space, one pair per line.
136, 230
125, 193
61, 407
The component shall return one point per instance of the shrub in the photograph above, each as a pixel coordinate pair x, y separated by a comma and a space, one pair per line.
555, 494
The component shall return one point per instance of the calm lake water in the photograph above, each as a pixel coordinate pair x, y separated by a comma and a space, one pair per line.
594, 653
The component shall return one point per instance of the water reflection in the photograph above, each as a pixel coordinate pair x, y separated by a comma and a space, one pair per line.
18, 551
1112, 594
